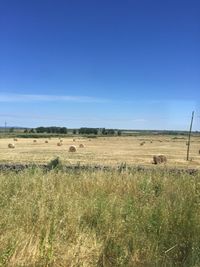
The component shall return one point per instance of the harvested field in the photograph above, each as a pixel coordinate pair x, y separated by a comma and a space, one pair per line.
104, 150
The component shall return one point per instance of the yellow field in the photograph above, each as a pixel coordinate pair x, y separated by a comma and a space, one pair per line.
103, 150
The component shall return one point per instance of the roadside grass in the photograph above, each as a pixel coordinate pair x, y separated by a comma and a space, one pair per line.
99, 218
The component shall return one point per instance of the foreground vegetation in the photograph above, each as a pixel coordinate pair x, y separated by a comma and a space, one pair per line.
102, 218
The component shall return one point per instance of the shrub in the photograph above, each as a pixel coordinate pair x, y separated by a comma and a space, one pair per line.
55, 164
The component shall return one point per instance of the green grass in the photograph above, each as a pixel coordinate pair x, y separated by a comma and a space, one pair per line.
85, 218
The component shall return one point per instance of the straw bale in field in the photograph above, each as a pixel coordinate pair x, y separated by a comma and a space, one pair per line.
59, 144
15, 139
11, 146
46, 141
74, 140
72, 149
159, 159
81, 146
34, 141
142, 143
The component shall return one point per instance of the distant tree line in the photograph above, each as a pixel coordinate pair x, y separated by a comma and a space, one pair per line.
52, 129
105, 131
85, 130
100, 131
81, 131
61, 130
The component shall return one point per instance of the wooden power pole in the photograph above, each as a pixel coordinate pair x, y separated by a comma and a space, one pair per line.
189, 136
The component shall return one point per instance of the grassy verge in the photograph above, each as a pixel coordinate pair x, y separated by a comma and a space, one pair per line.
99, 218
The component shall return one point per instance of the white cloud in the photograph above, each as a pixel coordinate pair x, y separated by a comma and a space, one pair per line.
49, 98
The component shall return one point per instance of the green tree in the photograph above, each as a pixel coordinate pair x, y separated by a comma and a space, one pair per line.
11, 130
32, 131
119, 133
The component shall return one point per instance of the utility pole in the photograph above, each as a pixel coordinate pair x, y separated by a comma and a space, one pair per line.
189, 136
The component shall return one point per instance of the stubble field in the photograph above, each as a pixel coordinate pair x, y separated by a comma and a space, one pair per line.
103, 150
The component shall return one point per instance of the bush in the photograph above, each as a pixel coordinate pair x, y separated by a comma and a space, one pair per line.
55, 164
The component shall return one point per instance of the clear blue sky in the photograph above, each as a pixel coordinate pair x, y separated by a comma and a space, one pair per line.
100, 63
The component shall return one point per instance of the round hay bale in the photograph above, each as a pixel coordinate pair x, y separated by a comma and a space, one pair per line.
81, 146
72, 148
199, 151
34, 141
74, 140
15, 139
46, 141
11, 146
159, 159
142, 143
59, 144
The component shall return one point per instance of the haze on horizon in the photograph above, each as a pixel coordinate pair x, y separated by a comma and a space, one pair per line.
114, 64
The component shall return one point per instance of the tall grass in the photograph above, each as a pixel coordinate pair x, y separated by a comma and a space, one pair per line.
149, 218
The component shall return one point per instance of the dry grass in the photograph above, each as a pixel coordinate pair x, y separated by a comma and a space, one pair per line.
107, 150
99, 219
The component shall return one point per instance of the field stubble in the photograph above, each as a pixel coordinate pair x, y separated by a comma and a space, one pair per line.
104, 150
